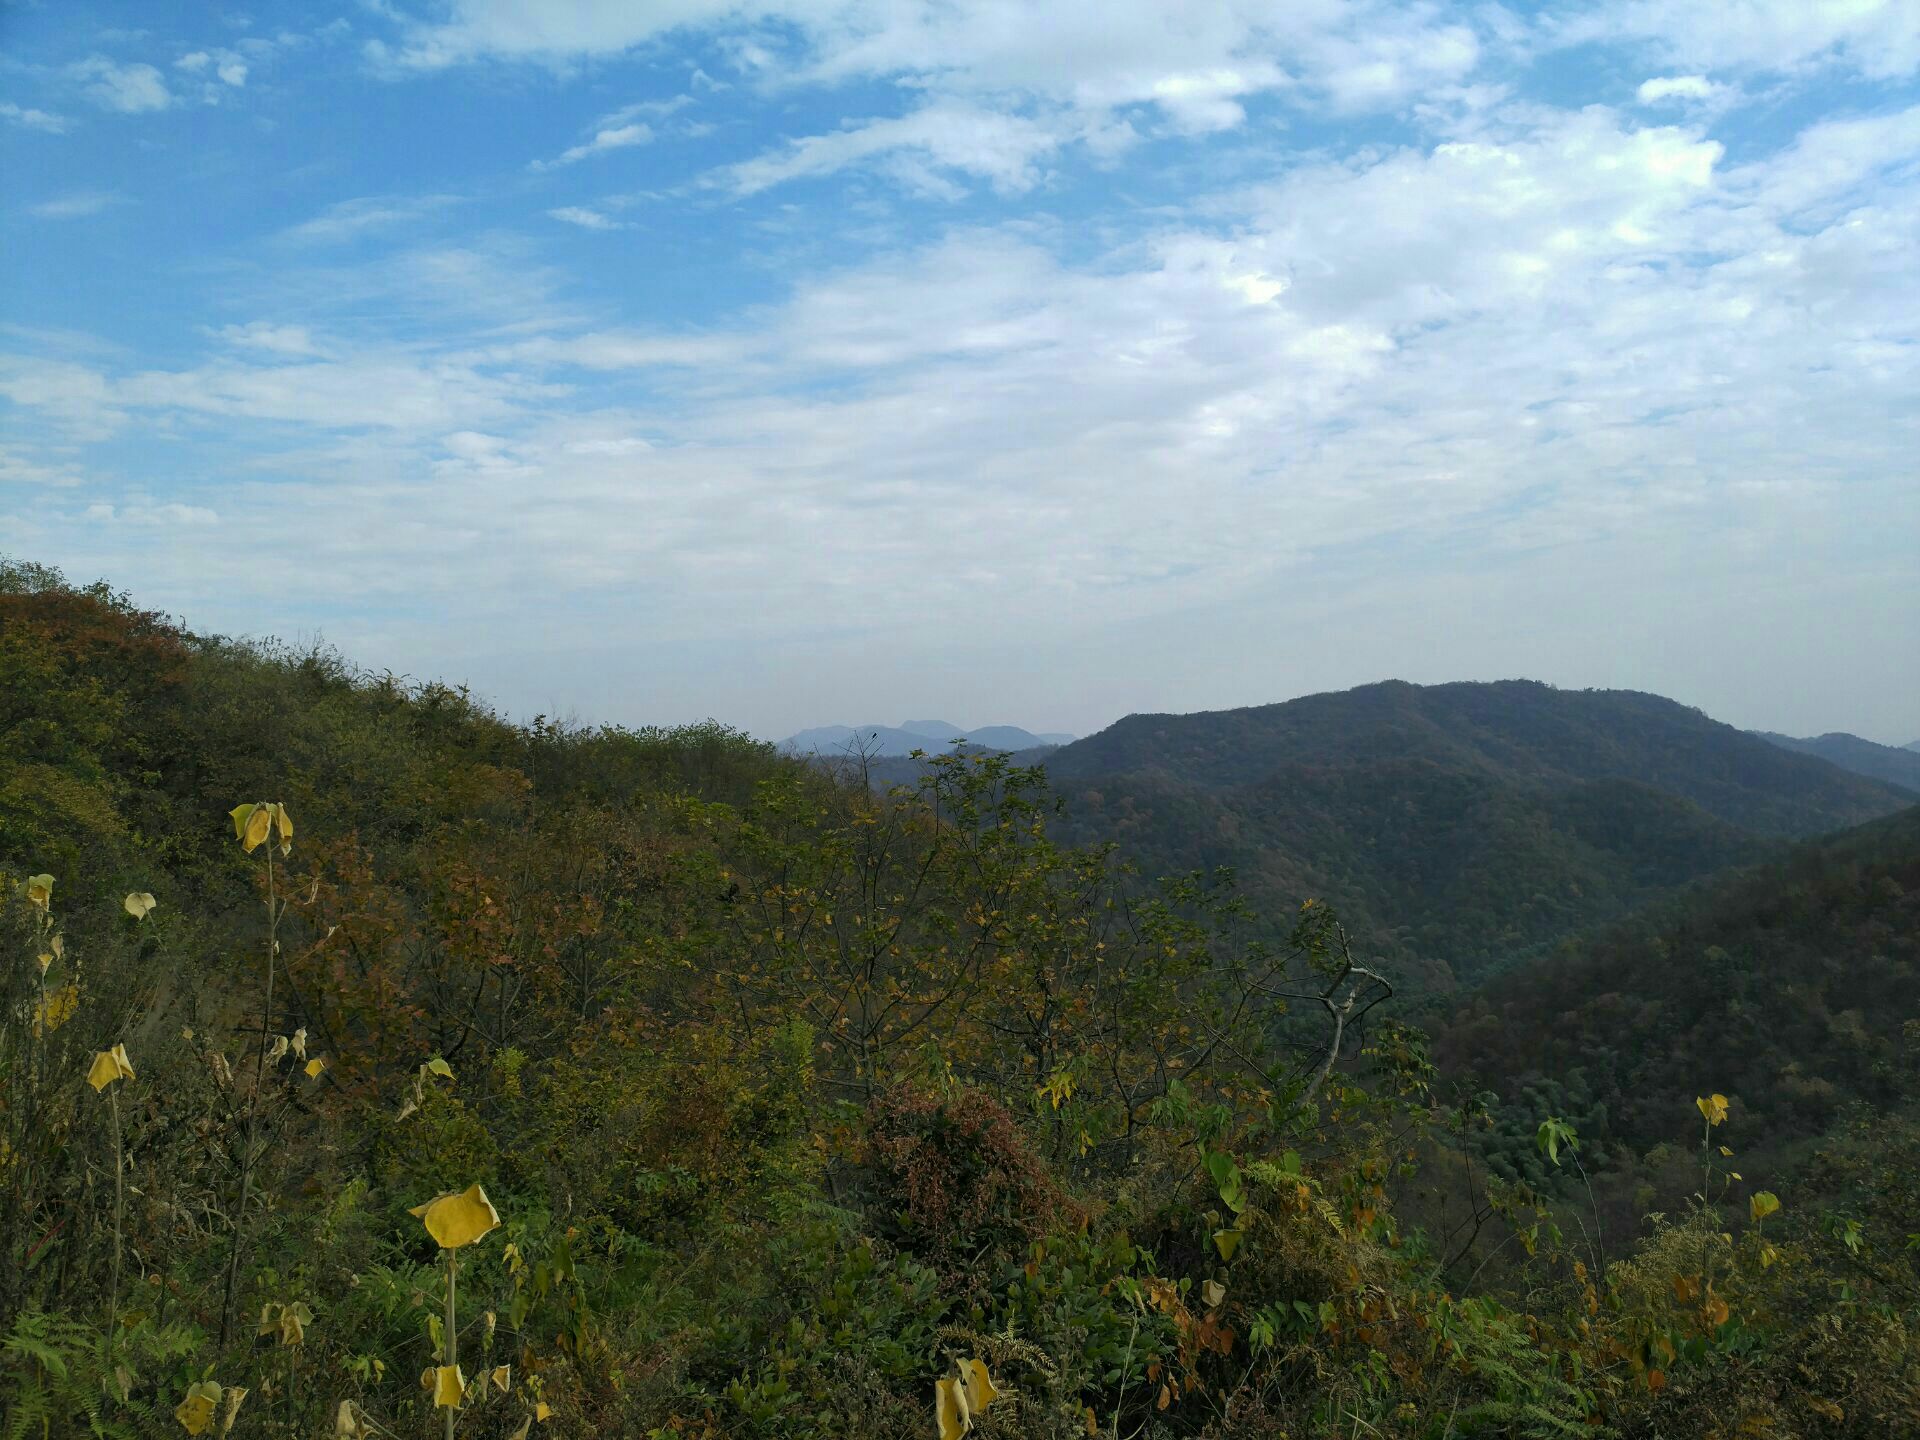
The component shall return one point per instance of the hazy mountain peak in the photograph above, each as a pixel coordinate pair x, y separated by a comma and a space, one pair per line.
911, 735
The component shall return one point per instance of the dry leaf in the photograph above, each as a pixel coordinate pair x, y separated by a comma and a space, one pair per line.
56, 1009
109, 1066
233, 1395
458, 1218
196, 1411
950, 1409
449, 1385
978, 1385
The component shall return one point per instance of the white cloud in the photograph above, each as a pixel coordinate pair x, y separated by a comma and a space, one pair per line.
587, 219
1195, 64
32, 119
1677, 87
1878, 38
944, 136
350, 219
148, 513
1831, 166
77, 205
1505, 337
618, 137
225, 65
131, 89
272, 339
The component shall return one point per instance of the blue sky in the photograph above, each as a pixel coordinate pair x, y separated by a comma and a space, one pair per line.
1014, 362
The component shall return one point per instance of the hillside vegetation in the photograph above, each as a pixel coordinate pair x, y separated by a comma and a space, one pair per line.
1458, 827
372, 1066
1877, 762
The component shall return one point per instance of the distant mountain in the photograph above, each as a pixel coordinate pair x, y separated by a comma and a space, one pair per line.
1457, 827
1913, 745
903, 739
1879, 762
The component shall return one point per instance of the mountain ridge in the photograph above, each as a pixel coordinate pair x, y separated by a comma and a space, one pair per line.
1894, 765
903, 739
1457, 827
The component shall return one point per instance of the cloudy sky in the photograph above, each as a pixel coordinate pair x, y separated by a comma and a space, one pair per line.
1019, 361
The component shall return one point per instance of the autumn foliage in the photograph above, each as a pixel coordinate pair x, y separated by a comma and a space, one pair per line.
649, 1083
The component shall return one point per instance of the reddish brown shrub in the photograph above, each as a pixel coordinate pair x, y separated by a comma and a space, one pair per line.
956, 1174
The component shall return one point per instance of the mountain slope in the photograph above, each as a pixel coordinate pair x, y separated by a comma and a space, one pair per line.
1456, 826
1793, 987
1517, 729
1862, 757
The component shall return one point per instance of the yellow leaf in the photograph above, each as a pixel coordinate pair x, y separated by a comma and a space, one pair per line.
542, 1411
458, 1218
284, 823
277, 1051
259, 826
196, 1411
315, 1066
1212, 1293
437, 1066
109, 1066
345, 1427
1713, 1108
140, 905
1726, 1152
1767, 1257
56, 1009
1761, 1204
502, 1377
1226, 1241
449, 1385
241, 814
520, 1433
950, 1409
46, 964
294, 1319
978, 1385
269, 1319
40, 891
231, 1409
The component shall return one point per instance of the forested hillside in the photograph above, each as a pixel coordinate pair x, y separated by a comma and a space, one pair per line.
1457, 826
1877, 762
1797, 983
372, 1066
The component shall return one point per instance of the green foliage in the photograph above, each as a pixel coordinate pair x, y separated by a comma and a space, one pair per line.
791, 1096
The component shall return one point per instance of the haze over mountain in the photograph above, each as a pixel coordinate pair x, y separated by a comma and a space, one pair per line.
910, 735
1455, 826
1879, 762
